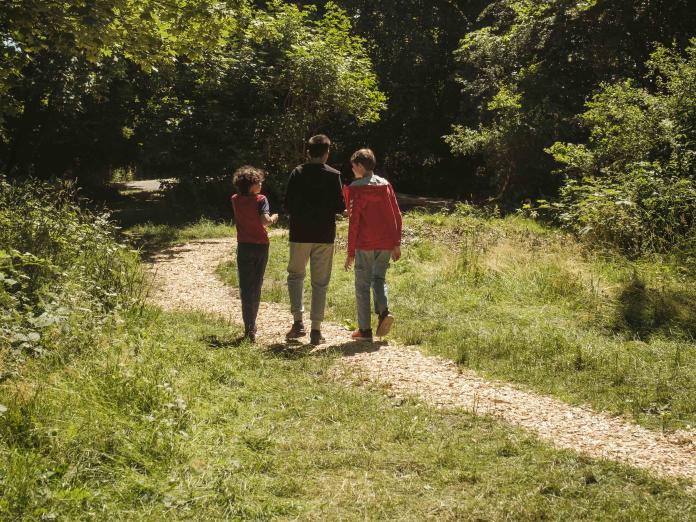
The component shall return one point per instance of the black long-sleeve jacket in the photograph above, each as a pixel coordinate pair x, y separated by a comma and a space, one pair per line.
313, 198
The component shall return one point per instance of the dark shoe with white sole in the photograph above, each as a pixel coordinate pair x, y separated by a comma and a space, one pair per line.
315, 337
297, 331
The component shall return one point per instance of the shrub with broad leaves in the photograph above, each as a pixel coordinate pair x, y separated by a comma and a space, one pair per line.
59, 265
633, 185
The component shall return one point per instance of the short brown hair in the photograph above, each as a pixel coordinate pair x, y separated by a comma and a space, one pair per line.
318, 145
364, 157
247, 176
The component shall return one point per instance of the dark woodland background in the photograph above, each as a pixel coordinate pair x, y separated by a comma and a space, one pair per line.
542, 105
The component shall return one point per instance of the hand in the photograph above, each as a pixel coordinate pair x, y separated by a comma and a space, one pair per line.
396, 253
349, 263
267, 219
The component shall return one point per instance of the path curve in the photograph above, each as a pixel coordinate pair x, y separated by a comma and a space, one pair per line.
185, 279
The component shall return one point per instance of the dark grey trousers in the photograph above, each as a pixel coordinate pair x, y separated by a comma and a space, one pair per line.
251, 265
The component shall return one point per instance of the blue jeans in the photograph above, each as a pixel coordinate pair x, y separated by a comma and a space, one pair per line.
370, 272
251, 266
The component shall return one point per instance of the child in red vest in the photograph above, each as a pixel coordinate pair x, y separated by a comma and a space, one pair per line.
374, 237
251, 215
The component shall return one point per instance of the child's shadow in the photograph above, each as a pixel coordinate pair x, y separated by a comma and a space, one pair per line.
296, 350
220, 343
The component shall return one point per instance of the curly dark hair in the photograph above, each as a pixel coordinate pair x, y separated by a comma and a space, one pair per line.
246, 176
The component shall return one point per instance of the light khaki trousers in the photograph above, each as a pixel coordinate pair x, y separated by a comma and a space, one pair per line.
320, 258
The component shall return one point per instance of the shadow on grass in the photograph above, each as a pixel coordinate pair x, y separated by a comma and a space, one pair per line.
169, 203
644, 311
427, 204
215, 342
297, 350
164, 209
157, 244
294, 349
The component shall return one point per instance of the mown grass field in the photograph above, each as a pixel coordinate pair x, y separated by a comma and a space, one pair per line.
526, 304
162, 416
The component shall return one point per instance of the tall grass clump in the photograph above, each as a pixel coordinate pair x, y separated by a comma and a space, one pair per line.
68, 290
61, 268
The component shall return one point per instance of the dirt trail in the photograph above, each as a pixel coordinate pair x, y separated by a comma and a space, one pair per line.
185, 279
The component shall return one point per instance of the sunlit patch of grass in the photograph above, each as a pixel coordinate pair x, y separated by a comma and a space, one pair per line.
151, 236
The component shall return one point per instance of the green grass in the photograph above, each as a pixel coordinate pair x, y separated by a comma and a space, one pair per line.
153, 236
526, 304
171, 419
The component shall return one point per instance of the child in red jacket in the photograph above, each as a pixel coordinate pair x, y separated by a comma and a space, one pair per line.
374, 238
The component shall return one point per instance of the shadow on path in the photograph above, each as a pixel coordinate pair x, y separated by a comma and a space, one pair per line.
296, 350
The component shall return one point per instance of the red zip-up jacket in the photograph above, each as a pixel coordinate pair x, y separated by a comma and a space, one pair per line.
375, 218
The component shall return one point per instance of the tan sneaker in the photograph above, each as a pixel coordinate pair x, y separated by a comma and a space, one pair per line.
386, 320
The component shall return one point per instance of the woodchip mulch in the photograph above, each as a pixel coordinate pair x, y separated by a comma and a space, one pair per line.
184, 279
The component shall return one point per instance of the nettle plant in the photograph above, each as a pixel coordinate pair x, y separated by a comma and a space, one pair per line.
633, 185
59, 265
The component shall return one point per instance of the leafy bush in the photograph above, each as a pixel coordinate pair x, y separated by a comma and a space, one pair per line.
60, 265
528, 69
643, 211
634, 184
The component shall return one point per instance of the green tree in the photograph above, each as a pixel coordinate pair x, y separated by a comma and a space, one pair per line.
67, 64
145, 32
291, 72
177, 88
530, 67
633, 184
310, 69
411, 43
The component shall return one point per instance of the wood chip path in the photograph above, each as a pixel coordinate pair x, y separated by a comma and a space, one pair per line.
184, 279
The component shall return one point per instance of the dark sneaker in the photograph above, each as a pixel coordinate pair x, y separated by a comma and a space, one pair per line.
250, 335
296, 331
386, 320
315, 337
362, 335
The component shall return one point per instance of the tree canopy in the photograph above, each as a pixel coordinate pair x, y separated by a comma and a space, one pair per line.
506, 101
184, 87
531, 66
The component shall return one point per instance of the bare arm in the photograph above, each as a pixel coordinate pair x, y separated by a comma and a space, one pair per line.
268, 219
